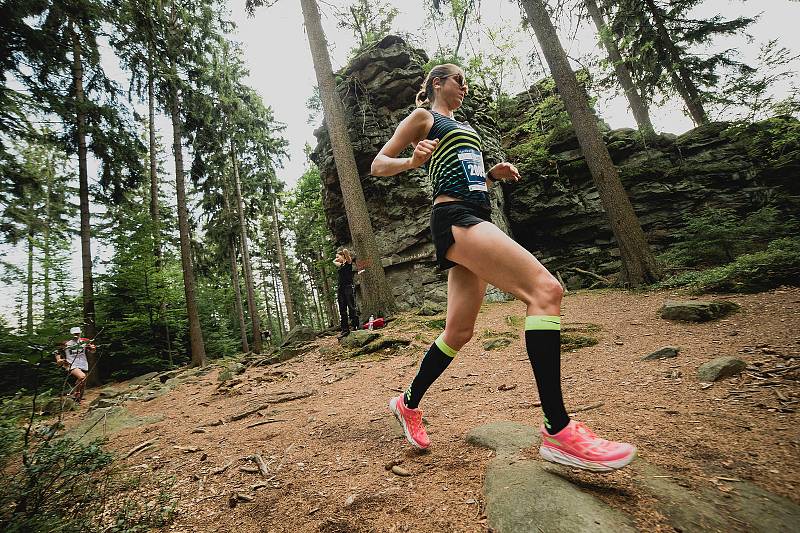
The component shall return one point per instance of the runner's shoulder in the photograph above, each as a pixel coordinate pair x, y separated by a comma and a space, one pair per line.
420, 117
420, 121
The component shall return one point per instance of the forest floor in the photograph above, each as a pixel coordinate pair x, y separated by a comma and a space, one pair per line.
326, 454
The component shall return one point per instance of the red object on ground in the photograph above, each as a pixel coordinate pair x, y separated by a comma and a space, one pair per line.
377, 323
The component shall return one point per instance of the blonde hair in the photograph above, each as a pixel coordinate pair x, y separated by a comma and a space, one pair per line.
344, 252
425, 94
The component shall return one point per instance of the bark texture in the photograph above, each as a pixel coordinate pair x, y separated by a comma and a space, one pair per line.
638, 264
377, 295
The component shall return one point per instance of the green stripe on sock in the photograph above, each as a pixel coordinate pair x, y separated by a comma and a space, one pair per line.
448, 351
543, 322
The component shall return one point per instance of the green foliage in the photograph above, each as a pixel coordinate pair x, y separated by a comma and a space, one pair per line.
718, 236
449, 20
368, 20
574, 341
304, 216
56, 484
773, 142
545, 123
745, 93
661, 43
778, 265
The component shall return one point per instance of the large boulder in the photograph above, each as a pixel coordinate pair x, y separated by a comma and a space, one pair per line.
299, 334
697, 310
555, 210
720, 368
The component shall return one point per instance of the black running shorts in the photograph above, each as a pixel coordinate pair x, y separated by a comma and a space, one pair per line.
456, 213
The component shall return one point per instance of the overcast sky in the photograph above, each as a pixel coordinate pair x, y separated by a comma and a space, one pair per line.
277, 54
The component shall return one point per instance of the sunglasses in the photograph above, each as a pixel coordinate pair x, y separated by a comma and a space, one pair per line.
459, 78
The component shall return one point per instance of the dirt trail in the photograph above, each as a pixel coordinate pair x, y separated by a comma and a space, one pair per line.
326, 453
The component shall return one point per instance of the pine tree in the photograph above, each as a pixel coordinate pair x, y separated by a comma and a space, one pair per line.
661, 43
67, 80
638, 105
638, 264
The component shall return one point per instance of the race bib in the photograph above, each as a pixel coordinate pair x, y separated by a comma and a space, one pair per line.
472, 161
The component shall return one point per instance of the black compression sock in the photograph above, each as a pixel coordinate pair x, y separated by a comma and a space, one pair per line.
436, 360
543, 342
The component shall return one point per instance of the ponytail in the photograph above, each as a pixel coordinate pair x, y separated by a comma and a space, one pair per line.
425, 94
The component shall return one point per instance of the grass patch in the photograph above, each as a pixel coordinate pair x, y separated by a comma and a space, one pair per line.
572, 341
438, 323
515, 321
581, 328
489, 333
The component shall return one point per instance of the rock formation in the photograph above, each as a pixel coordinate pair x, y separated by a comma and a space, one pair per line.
378, 89
555, 210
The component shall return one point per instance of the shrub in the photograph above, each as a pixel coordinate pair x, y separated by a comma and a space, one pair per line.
56, 484
718, 236
778, 265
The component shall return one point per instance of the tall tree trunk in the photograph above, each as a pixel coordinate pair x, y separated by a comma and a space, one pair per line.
638, 264
238, 298
46, 236
195, 333
89, 326
248, 271
377, 295
281, 323
154, 214
315, 298
287, 293
326, 294
264, 288
29, 313
637, 104
673, 62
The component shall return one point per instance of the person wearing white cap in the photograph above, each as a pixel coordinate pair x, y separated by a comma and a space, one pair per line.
75, 361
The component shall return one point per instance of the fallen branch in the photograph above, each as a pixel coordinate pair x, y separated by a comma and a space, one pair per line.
221, 469
187, 449
268, 421
278, 397
262, 465
247, 413
136, 449
561, 281
590, 274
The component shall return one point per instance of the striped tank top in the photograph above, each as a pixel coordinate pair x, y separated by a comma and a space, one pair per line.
456, 166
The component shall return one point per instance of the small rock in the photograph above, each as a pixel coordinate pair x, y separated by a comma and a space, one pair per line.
359, 338
720, 368
666, 352
400, 471
705, 386
350, 500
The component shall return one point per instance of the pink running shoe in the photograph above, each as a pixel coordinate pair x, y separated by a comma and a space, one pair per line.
411, 420
577, 446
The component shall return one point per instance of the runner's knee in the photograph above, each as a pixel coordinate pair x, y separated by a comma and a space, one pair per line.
545, 291
456, 337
